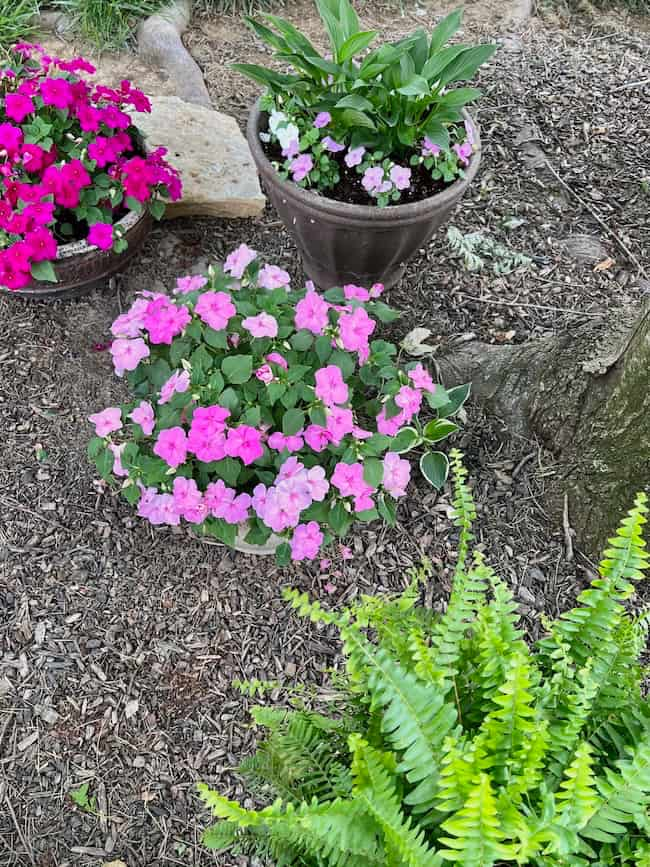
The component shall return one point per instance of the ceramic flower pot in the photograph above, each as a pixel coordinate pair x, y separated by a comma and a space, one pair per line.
342, 243
81, 268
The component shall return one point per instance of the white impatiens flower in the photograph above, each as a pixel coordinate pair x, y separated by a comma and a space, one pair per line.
285, 131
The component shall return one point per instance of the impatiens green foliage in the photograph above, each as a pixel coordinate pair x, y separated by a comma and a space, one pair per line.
392, 109
458, 743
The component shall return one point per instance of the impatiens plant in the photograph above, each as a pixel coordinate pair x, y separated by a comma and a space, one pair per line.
451, 741
374, 126
261, 410
71, 163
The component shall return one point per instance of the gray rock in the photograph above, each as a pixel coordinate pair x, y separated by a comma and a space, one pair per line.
584, 249
208, 148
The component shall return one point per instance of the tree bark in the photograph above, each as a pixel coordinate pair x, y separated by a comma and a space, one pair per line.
586, 396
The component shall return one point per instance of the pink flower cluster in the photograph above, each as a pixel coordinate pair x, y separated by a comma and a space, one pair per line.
408, 400
39, 187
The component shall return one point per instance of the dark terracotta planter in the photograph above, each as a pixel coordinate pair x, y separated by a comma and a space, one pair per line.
81, 268
342, 243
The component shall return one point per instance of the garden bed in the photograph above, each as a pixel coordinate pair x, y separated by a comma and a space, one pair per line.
119, 640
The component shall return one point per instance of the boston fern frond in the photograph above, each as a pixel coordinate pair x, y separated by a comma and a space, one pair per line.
456, 742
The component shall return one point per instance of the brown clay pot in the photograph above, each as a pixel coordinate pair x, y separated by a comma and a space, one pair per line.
81, 268
342, 243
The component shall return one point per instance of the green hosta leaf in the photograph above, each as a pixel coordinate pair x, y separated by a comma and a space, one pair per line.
464, 66
237, 368
352, 117
439, 429
438, 398
292, 421
408, 438
44, 271
415, 86
266, 77
456, 397
354, 100
356, 43
444, 30
437, 133
459, 97
434, 466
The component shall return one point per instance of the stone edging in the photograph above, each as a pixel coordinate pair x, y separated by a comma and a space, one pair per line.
160, 45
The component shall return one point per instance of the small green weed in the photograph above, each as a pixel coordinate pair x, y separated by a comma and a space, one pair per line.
82, 800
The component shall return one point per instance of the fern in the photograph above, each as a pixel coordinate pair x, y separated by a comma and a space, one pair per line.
452, 741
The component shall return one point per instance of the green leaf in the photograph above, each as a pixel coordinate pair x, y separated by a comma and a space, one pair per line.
179, 350
354, 100
317, 416
266, 77
456, 398
408, 438
227, 469
439, 429
444, 30
292, 421
275, 391
434, 466
387, 510
415, 86
283, 554
351, 117
323, 347
104, 463
383, 312
339, 519
258, 534
44, 271
201, 362
438, 133
302, 340
229, 399
133, 204
157, 209
356, 43
237, 368
95, 445
464, 66
367, 515
215, 339
224, 532
373, 471
344, 361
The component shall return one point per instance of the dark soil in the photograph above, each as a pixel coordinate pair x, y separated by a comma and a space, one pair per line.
119, 641
350, 190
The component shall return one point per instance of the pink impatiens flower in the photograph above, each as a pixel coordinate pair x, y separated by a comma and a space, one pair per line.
276, 358
355, 328
107, 421
358, 293
18, 106
421, 378
164, 320
306, 541
340, 422
300, 167
215, 309
101, 235
184, 285
401, 177
373, 181
118, 469
409, 400
330, 387
322, 119
262, 325
179, 381
390, 426
463, 151
237, 261
127, 354
272, 277
244, 442
429, 148
397, 473
171, 446
354, 156
318, 484
264, 374
144, 416
318, 438
332, 146
348, 478
129, 324
188, 500
311, 313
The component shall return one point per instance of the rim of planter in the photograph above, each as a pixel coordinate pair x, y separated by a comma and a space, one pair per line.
393, 214
95, 266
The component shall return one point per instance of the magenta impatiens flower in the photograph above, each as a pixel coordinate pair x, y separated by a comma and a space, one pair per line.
317, 438
397, 473
244, 442
237, 261
272, 277
164, 320
311, 313
127, 354
215, 309
276, 358
171, 446
188, 500
323, 118
101, 235
262, 325
300, 167
330, 387
18, 106
143, 415
107, 421
340, 422
306, 541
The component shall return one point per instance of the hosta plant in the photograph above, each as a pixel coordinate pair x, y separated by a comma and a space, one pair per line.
71, 163
381, 125
267, 408
458, 743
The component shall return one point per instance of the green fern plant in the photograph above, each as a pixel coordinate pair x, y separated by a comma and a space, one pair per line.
458, 743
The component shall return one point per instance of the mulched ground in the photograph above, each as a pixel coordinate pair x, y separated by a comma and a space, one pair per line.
119, 641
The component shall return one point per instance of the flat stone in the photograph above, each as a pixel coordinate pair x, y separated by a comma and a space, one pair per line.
584, 249
207, 147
